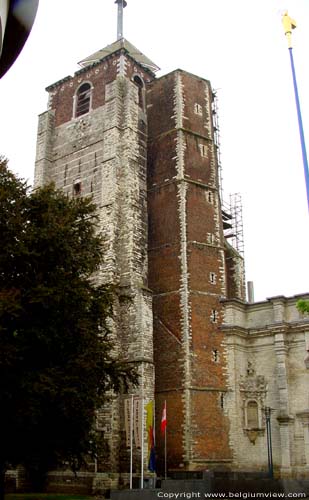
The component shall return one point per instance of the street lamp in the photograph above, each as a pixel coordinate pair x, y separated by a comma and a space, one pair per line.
267, 411
306, 360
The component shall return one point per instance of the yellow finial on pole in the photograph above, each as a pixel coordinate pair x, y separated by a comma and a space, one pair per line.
288, 25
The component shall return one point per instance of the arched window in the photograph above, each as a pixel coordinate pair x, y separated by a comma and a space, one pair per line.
140, 84
252, 415
77, 187
83, 97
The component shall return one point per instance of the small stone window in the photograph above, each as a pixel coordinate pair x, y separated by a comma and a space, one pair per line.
213, 278
211, 238
77, 188
214, 316
83, 97
203, 150
252, 415
198, 110
215, 356
222, 400
210, 197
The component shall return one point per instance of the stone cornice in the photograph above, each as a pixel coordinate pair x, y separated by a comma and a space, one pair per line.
285, 419
272, 329
304, 416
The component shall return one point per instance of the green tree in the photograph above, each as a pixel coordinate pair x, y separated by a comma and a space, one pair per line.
303, 305
56, 357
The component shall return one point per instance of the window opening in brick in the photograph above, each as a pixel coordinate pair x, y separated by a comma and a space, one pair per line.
213, 278
140, 85
215, 356
222, 401
83, 99
203, 150
77, 188
214, 316
211, 238
210, 197
198, 110
252, 415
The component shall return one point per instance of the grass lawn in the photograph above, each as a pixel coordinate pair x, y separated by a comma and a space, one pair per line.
44, 496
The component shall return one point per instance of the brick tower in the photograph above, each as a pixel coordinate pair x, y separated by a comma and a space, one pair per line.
191, 267
144, 149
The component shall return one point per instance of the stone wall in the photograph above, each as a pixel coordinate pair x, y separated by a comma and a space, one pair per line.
102, 154
266, 345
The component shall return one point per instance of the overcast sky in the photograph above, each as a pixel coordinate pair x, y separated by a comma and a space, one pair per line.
243, 52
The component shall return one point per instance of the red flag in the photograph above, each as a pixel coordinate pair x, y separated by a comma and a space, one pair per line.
163, 419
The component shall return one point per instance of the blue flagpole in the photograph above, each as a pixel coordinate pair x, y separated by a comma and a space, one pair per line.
289, 24
300, 126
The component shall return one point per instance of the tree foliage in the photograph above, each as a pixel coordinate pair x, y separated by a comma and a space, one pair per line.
56, 357
303, 305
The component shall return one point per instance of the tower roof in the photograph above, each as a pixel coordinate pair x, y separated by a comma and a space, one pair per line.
120, 44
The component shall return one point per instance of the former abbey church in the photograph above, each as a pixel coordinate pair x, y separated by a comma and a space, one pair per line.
145, 149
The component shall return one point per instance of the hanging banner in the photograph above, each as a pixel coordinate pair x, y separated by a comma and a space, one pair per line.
137, 420
127, 420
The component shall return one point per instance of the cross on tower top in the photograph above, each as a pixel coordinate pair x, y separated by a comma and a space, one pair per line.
121, 5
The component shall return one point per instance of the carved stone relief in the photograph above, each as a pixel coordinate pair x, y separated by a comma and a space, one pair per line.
253, 390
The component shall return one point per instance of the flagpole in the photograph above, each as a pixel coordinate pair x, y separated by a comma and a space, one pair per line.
300, 126
165, 447
142, 447
289, 24
154, 435
131, 443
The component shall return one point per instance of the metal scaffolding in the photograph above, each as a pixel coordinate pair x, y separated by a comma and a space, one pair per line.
215, 122
233, 222
231, 212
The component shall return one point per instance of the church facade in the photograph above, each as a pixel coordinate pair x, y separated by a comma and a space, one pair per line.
268, 370
145, 149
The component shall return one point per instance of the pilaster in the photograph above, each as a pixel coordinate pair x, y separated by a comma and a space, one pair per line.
304, 416
284, 419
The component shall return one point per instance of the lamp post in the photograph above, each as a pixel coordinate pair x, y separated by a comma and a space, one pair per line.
267, 411
306, 360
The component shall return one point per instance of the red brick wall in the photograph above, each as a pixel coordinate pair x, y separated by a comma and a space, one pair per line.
160, 101
210, 428
174, 436
201, 214
208, 435
194, 92
161, 163
99, 75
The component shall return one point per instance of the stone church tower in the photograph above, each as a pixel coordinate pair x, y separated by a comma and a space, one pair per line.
144, 148
92, 141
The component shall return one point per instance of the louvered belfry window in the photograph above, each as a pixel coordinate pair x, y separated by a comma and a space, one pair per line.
83, 99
